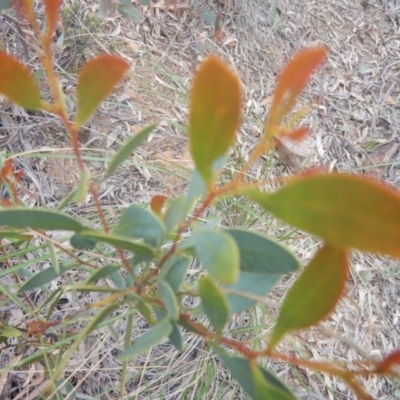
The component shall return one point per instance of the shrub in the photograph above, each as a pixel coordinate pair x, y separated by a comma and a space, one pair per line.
238, 267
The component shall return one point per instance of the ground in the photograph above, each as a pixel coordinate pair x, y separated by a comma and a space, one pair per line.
354, 117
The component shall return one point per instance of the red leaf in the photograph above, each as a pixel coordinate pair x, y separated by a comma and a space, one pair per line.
291, 82
96, 81
17, 84
52, 7
157, 203
389, 362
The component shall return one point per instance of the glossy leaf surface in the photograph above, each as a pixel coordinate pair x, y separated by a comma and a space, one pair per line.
345, 210
218, 254
315, 293
214, 114
214, 303
17, 84
97, 79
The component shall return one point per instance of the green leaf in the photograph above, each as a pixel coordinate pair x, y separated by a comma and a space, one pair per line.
267, 386
83, 185
214, 114
176, 213
96, 81
126, 9
218, 254
315, 293
17, 84
128, 148
81, 243
345, 210
38, 219
175, 337
214, 303
15, 235
101, 273
255, 380
241, 294
151, 338
260, 254
174, 271
42, 277
6, 4
119, 241
169, 299
138, 222
9, 332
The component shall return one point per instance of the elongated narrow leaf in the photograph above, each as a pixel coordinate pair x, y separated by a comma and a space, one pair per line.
214, 114
218, 254
214, 303
41, 278
345, 210
17, 84
128, 148
138, 222
51, 7
315, 293
119, 241
96, 81
260, 254
151, 338
169, 299
38, 219
291, 82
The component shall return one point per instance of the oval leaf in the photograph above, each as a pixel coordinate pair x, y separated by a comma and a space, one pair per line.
169, 299
261, 255
214, 114
218, 254
17, 84
138, 222
345, 210
241, 294
174, 271
214, 303
128, 148
315, 293
96, 81
151, 338
38, 219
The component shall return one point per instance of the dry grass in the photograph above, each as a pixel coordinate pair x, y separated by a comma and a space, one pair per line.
355, 124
